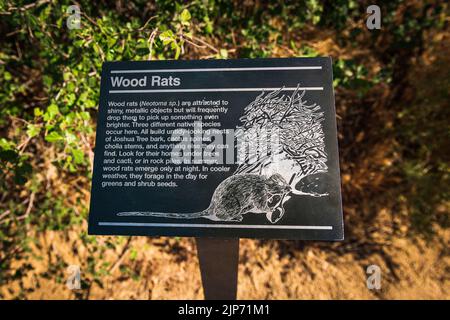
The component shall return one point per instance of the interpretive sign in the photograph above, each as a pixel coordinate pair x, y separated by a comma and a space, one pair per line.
227, 148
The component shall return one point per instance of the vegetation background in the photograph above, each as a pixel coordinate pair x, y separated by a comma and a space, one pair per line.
392, 98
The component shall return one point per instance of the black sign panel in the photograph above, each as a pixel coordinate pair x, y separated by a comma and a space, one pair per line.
227, 148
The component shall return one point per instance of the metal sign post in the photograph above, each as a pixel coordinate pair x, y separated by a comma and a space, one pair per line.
218, 258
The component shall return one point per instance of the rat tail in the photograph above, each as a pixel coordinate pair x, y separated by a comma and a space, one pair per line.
188, 215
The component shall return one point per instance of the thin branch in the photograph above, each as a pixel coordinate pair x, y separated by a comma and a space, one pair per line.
151, 40
121, 256
4, 214
192, 38
145, 25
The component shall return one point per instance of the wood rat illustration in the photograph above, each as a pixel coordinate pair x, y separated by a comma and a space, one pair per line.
238, 195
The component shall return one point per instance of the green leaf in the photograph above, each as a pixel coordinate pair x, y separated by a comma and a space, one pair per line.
111, 42
48, 81
223, 53
53, 137
70, 137
52, 110
166, 37
185, 16
33, 130
38, 112
78, 156
70, 98
133, 254
5, 144
208, 25
7, 76
66, 76
177, 52
85, 115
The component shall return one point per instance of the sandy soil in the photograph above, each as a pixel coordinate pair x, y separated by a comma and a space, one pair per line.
165, 268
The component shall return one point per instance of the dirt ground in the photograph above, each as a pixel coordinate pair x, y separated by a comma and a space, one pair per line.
165, 268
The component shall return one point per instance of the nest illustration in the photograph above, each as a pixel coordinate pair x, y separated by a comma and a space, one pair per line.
299, 148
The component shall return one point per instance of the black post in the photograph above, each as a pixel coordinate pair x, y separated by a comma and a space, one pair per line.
219, 258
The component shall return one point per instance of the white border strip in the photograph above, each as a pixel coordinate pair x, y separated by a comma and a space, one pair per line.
215, 90
222, 226
217, 69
